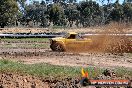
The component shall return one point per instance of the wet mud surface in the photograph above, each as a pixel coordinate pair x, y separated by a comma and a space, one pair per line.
31, 56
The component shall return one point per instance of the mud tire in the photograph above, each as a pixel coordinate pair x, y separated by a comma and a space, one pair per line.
57, 47
52, 47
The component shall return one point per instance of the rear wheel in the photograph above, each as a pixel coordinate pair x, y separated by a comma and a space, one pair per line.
57, 47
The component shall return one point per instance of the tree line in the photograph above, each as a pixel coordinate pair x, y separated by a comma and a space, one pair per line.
65, 13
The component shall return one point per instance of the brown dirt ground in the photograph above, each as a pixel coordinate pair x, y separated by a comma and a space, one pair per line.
31, 56
15, 80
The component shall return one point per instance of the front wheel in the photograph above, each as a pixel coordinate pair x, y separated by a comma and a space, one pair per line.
57, 47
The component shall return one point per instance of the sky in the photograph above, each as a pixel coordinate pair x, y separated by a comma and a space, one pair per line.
30, 1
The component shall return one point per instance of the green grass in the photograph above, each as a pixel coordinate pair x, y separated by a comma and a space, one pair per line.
121, 71
130, 54
47, 70
25, 39
44, 70
26, 45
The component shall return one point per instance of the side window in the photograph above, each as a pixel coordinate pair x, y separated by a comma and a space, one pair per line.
72, 36
79, 37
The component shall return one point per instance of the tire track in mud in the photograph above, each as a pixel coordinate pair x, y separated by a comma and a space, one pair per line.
31, 56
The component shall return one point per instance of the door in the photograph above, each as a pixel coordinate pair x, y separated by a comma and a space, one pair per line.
70, 42
73, 42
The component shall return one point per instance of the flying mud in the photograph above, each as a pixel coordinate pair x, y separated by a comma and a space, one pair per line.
113, 39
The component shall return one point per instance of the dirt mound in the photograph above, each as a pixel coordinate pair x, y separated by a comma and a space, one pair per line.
16, 80
9, 80
13, 80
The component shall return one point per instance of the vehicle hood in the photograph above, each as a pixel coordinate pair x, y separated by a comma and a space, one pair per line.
57, 38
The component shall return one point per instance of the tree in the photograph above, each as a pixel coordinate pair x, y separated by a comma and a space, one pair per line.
117, 12
71, 13
89, 11
127, 8
56, 14
8, 10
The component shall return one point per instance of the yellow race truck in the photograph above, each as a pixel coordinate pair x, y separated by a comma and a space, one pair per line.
69, 40
73, 40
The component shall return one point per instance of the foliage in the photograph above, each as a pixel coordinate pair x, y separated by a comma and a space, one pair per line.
8, 10
65, 13
89, 11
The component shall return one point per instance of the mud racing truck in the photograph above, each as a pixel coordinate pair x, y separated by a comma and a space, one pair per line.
73, 40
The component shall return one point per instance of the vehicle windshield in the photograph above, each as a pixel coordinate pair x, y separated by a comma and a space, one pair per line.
78, 36
66, 35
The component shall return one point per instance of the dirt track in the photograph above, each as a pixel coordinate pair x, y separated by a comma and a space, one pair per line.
31, 56
28, 56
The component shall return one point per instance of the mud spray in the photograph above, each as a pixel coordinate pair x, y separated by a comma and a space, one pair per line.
110, 43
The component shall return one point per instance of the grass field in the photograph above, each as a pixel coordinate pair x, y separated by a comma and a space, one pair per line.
47, 70
24, 43
25, 39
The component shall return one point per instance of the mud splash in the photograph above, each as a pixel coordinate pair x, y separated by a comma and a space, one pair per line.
106, 42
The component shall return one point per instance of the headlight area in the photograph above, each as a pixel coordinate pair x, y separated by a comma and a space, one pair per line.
51, 41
